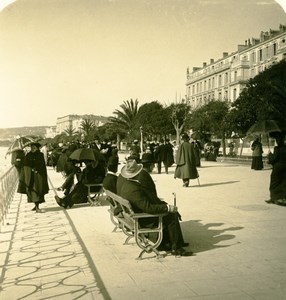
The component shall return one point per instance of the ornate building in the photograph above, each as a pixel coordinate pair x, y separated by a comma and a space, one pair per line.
74, 122
225, 78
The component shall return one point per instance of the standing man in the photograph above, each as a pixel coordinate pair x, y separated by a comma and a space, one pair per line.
186, 161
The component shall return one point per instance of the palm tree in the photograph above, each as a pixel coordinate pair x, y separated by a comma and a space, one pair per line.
125, 119
88, 128
70, 131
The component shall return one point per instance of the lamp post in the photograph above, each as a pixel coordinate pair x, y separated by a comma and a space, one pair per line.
141, 139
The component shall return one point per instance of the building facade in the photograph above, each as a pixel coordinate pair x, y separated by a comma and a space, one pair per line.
225, 78
74, 122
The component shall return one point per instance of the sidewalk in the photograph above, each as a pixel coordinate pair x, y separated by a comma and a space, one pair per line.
238, 240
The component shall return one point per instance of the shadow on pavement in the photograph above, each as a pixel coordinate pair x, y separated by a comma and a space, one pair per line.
203, 237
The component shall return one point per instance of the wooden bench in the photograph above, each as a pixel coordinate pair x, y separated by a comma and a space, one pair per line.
128, 221
94, 197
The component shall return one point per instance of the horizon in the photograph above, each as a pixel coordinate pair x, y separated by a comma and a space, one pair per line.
63, 58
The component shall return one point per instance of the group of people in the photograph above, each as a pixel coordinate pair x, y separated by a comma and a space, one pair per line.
32, 172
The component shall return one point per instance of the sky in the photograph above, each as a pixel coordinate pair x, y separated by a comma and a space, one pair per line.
61, 57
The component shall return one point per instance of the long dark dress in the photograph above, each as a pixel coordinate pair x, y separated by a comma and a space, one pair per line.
257, 163
33, 178
277, 186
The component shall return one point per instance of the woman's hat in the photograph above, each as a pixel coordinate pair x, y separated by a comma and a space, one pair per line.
37, 144
147, 158
131, 169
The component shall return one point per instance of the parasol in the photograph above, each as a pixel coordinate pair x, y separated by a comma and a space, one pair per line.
21, 142
264, 127
83, 154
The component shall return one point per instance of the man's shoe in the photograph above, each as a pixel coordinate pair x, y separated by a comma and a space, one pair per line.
34, 209
181, 252
59, 201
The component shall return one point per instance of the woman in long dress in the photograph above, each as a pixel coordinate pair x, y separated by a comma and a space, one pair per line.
33, 177
277, 159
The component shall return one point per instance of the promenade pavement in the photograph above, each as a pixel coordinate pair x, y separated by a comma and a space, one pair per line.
238, 240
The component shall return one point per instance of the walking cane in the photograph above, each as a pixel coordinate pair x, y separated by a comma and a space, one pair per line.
175, 200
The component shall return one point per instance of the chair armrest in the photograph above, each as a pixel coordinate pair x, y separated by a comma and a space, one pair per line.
145, 215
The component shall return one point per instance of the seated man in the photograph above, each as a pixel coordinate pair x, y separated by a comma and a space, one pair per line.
131, 185
110, 180
94, 172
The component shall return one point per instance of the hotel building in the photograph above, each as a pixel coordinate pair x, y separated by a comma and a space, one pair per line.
225, 78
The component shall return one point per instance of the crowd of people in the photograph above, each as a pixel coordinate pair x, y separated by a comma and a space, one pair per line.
134, 182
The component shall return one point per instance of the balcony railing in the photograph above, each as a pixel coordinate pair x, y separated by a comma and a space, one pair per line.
8, 184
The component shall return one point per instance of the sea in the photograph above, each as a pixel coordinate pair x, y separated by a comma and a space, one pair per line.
5, 160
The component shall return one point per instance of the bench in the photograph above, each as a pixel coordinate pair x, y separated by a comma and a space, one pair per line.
94, 197
126, 219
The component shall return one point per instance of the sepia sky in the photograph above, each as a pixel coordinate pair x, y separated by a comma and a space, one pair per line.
60, 57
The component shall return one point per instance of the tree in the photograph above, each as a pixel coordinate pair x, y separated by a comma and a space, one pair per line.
70, 131
88, 128
154, 119
212, 118
125, 119
263, 98
179, 113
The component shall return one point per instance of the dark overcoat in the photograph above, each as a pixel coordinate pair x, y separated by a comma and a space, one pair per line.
186, 162
33, 178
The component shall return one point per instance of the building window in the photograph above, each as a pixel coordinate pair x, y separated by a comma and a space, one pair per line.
226, 78
274, 49
235, 75
219, 80
234, 94
260, 55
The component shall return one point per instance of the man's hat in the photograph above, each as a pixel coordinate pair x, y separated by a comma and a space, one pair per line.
131, 169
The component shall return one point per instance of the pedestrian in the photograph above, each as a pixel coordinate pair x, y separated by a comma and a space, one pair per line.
159, 155
186, 161
142, 199
277, 159
33, 177
197, 149
17, 160
168, 156
257, 151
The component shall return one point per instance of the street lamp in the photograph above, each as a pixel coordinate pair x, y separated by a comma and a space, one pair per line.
141, 139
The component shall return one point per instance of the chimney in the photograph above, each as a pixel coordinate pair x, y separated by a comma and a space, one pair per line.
241, 47
211, 61
224, 54
196, 69
204, 64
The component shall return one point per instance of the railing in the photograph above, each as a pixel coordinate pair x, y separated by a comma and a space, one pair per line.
8, 184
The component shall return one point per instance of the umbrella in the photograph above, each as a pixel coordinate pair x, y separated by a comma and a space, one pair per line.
264, 127
22, 142
82, 154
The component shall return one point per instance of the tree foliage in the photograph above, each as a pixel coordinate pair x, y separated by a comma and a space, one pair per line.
264, 98
154, 119
179, 114
125, 119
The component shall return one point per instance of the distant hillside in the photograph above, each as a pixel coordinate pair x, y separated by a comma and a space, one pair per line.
11, 133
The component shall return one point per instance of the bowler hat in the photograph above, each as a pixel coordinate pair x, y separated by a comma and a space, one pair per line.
131, 169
